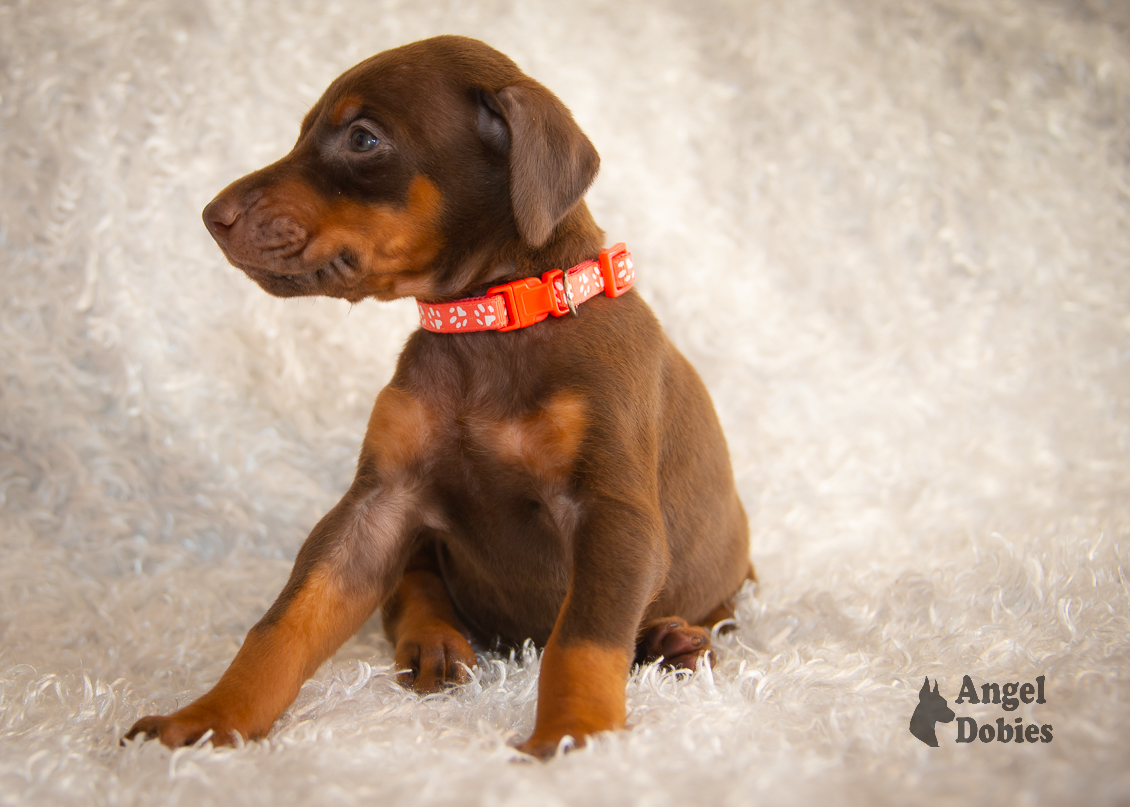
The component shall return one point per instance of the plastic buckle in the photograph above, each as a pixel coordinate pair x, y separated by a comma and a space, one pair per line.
550, 278
616, 265
529, 300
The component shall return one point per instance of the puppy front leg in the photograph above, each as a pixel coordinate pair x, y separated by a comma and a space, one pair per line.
619, 563
345, 568
324, 603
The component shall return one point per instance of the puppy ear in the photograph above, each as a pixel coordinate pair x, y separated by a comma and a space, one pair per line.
492, 124
552, 163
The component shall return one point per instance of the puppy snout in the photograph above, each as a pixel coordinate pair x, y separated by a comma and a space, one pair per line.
249, 229
285, 231
220, 216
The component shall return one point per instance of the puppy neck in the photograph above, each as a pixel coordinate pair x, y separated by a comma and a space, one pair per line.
577, 238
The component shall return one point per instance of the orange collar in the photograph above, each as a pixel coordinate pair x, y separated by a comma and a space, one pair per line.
522, 303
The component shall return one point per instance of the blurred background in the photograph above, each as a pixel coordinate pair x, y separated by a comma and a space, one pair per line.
891, 235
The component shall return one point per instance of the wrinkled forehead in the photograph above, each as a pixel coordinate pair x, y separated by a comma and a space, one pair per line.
414, 95
406, 99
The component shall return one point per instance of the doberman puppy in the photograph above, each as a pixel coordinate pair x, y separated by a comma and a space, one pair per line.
566, 482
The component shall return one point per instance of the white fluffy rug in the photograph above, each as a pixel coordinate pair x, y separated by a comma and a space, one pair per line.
893, 236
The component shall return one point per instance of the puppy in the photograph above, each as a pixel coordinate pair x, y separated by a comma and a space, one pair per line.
543, 464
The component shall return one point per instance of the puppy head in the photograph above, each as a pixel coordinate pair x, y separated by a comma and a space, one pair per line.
414, 168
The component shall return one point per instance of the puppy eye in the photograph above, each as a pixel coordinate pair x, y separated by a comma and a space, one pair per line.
363, 140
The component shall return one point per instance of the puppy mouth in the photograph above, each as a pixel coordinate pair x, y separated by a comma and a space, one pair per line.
334, 277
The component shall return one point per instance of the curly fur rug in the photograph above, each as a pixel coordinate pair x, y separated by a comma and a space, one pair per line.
904, 224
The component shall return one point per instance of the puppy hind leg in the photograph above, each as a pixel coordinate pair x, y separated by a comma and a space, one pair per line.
674, 640
724, 612
681, 644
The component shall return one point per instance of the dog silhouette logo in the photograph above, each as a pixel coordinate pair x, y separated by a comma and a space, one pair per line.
932, 708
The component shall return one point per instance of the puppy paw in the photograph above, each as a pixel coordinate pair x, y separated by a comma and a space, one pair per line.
545, 741
678, 643
184, 727
433, 657
543, 748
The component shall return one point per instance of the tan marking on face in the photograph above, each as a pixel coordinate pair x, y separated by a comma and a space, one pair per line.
545, 444
344, 109
394, 246
399, 429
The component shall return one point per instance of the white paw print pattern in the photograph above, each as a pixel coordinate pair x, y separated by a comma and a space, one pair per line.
458, 316
584, 283
559, 290
484, 316
430, 317
625, 270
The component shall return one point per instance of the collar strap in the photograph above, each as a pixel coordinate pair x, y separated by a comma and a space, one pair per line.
522, 303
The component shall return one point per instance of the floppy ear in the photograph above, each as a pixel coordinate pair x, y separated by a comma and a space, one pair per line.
552, 163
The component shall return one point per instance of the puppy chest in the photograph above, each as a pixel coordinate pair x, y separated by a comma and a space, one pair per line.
542, 444
518, 472
510, 506
521, 462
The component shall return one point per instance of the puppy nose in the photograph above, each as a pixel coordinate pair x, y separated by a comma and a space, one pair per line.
219, 216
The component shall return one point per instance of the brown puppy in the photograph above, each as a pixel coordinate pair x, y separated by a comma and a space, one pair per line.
566, 482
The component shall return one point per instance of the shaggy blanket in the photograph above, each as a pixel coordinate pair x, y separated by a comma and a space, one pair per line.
892, 235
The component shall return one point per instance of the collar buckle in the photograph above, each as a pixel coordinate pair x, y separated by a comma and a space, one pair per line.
530, 300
